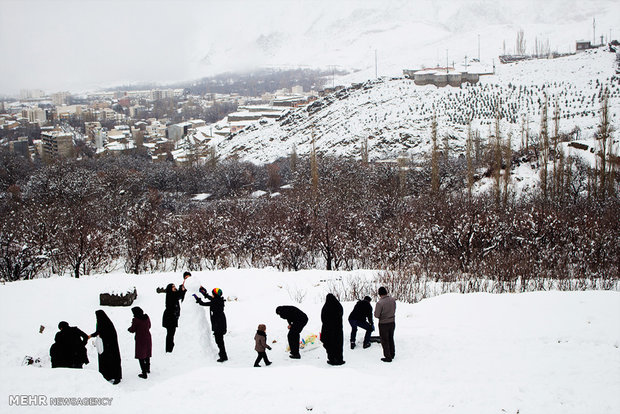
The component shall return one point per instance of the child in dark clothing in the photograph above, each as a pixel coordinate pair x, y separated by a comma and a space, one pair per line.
261, 344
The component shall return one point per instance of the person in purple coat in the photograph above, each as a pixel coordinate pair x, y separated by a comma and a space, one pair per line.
141, 325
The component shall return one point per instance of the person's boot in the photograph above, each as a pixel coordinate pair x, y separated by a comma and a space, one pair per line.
366, 345
352, 345
267, 363
143, 375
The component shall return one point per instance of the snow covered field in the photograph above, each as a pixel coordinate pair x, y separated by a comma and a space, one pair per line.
546, 352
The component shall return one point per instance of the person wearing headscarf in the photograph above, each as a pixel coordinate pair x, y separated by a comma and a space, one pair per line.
331, 330
110, 358
218, 318
170, 318
69, 347
141, 325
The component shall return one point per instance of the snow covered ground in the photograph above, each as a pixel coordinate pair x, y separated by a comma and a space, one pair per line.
547, 352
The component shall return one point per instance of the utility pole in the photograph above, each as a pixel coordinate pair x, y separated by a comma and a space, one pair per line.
593, 31
478, 47
376, 72
446, 60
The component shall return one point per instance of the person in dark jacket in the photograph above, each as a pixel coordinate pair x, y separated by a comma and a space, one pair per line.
110, 358
69, 347
296, 321
361, 316
331, 331
170, 319
141, 325
218, 318
260, 341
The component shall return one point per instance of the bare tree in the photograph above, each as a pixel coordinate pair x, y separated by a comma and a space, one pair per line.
520, 44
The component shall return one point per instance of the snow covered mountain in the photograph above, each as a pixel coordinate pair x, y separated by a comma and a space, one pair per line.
394, 114
404, 33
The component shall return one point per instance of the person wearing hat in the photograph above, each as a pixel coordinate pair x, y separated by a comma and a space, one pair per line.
385, 311
361, 317
218, 318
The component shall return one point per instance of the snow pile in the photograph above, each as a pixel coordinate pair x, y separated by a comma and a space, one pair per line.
551, 352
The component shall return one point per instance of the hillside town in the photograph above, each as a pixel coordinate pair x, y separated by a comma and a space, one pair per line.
163, 124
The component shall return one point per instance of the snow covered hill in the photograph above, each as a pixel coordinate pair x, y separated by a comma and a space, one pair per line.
394, 114
404, 33
551, 352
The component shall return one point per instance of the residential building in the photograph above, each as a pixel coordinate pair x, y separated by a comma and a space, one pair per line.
35, 115
60, 98
178, 131
56, 144
20, 147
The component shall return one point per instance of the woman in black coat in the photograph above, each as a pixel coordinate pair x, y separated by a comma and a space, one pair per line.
170, 319
110, 358
332, 334
218, 318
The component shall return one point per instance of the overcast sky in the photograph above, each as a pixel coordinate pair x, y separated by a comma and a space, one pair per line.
86, 44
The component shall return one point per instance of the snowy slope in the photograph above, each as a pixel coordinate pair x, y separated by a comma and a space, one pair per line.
551, 352
395, 114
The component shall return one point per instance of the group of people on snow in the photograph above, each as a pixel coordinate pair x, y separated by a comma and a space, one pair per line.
69, 348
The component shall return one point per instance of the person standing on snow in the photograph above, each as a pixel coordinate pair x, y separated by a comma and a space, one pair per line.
110, 358
141, 325
296, 322
218, 318
260, 340
331, 331
385, 311
170, 318
361, 317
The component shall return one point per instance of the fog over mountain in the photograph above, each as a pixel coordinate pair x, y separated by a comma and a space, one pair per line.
79, 45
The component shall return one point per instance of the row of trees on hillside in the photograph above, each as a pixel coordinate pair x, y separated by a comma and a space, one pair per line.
82, 218
93, 215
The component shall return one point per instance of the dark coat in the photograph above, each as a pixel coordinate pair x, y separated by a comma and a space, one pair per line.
293, 315
362, 311
331, 329
260, 341
69, 348
141, 325
110, 358
170, 319
216, 306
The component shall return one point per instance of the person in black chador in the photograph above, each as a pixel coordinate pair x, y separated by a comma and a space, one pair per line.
110, 358
361, 316
296, 322
218, 319
331, 330
170, 319
69, 347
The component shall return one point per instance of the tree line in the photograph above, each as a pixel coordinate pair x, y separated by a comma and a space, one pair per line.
94, 215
